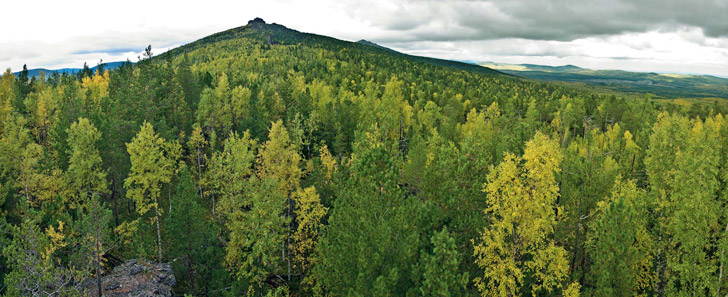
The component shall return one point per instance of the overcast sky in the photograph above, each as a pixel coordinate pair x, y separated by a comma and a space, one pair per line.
680, 36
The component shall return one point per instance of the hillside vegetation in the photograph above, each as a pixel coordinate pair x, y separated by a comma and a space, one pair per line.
262, 161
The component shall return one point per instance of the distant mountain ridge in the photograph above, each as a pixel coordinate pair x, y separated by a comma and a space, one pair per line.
36, 71
662, 85
441, 62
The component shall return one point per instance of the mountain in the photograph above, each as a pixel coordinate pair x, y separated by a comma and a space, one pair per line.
36, 71
662, 85
272, 34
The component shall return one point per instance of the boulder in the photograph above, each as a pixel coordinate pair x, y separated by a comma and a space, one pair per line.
135, 278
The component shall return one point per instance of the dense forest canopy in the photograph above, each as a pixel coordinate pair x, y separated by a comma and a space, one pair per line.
265, 161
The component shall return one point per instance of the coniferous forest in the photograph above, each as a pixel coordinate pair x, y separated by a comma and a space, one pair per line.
262, 161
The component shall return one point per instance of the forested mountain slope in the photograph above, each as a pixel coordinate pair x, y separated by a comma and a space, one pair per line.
265, 161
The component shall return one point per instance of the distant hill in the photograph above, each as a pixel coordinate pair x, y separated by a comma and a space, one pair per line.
36, 71
662, 85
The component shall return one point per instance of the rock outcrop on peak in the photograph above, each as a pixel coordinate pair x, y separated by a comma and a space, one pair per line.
256, 21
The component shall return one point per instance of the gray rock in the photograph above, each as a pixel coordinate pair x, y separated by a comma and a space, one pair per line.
256, 21
135, 278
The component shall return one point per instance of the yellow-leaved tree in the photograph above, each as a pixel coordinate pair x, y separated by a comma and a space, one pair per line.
96, 88
196, 145
7, 96
23, 159
229, 171
309, 212
279, 160
521, 194
153, 163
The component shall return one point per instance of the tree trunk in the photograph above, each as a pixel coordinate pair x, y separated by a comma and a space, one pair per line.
128, 205
97, 252
661, 271
199, 174
27, 196
113, 196
572, 264
722, 262
98, 267
288, 250
159, 232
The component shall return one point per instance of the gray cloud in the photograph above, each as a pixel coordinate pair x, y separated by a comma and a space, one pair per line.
686, 50
561, 20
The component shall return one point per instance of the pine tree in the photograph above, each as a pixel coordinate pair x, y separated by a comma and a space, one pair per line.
371, 243
96, 241
441, 271
191, 238
33, 257
612, 241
